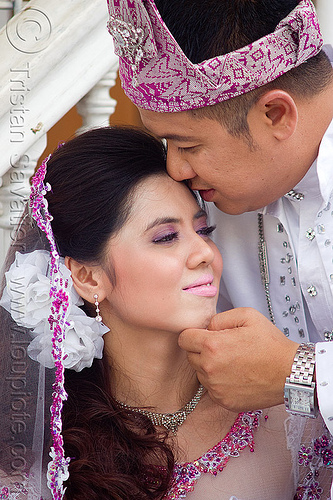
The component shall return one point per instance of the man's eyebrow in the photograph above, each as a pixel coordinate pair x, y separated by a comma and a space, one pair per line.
173, 220
180, 138
172, 137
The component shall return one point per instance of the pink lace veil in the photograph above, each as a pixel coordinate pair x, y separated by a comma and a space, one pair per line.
26, 393
31, 394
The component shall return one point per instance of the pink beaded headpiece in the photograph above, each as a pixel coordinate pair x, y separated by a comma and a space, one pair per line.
156, 75
58, 467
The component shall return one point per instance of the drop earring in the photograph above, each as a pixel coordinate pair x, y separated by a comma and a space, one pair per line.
98, 317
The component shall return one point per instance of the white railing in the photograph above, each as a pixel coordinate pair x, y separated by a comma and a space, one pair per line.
53, 55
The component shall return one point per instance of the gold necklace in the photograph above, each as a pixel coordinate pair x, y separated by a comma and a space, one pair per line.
171, 421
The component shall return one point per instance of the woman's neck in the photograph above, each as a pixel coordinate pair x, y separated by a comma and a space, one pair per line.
149, 369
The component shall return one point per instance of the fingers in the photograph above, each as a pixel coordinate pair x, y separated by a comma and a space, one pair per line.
196, 362
203, 348
235, 318
194, 339
191, 340
242, 359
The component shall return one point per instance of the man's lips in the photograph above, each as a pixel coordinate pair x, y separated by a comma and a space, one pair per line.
202, 286
207, 194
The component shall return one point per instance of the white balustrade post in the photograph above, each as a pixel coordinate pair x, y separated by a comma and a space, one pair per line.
14, 192
18, 6
8, 8
97, 105
6, 11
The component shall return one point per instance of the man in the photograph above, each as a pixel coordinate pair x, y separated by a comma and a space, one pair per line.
251, 130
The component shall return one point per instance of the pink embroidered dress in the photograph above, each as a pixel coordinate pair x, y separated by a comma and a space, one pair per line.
266, 455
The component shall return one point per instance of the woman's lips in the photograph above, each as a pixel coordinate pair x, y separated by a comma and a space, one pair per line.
202, 286
203, 290
207, 194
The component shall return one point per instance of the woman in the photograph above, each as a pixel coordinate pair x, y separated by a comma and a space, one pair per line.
131, 263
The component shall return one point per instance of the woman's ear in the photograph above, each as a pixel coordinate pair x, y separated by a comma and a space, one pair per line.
88, 280
280, 113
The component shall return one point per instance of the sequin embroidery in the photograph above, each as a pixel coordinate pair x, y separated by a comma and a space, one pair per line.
314, 457
14, 492
240, 436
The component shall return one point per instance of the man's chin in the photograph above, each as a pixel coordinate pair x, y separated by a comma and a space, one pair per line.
230, 209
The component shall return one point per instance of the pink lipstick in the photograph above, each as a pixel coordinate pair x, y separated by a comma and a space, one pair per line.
202, 286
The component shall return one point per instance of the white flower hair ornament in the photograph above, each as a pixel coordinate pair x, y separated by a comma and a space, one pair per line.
27, 297
40, 296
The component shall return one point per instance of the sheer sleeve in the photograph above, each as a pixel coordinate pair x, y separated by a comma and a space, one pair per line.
315, 462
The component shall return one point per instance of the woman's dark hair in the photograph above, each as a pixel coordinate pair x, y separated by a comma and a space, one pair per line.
115, 454
93, 177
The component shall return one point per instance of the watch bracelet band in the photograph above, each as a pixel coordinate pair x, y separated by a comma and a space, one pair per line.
302, 370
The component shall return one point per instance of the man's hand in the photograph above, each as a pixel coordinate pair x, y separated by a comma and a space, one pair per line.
242, 359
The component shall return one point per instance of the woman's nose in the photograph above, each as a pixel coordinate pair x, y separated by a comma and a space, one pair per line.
201, 253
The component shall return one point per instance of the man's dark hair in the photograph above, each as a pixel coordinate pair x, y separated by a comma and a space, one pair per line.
207, 28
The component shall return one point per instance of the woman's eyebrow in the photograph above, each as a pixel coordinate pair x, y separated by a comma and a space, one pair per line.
173, 220
200, 213
162, 220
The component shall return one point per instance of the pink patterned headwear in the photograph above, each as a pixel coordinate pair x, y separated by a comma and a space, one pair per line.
156, 75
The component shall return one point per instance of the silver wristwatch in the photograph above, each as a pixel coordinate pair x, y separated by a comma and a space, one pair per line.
300, 387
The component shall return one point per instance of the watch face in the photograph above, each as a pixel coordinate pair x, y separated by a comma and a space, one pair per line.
300, 400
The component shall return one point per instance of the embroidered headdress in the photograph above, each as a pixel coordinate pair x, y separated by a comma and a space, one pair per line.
156, 75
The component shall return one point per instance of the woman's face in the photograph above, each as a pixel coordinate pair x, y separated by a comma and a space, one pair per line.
166, 266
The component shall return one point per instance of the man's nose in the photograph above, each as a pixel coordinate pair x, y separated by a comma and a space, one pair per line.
178, 167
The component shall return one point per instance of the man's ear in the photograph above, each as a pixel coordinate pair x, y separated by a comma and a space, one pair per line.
88, 280
280, 113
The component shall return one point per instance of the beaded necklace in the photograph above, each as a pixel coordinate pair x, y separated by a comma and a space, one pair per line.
171, 421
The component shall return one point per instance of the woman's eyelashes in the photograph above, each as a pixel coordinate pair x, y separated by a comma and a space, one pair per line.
206, 231
171, 236
166, 237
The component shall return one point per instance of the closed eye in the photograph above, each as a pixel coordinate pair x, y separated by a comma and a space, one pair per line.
187, 149
206, 231
167, 237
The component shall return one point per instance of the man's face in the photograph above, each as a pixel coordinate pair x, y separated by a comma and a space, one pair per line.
227, 170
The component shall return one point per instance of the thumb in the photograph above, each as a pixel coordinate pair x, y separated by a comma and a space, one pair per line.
234, 318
